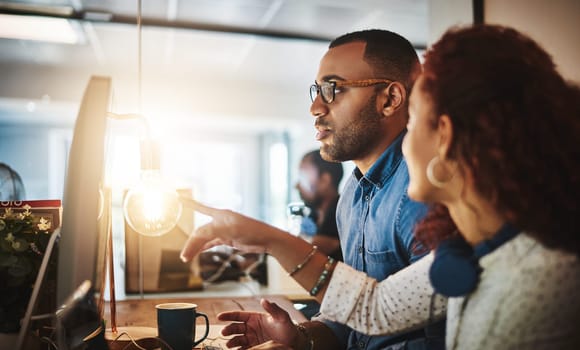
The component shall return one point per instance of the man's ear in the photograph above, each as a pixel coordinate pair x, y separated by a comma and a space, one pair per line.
392, 98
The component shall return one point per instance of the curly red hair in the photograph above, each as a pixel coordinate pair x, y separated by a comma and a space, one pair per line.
436, 226
516, 127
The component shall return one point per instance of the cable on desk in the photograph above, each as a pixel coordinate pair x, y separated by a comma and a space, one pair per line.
239, 305
133, 342
131, 339
261, 259
50, 342
221, 269
246, 273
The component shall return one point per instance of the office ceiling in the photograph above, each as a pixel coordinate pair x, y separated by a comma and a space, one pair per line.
204, 62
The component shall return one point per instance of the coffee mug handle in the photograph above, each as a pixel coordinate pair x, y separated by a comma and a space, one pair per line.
206, 328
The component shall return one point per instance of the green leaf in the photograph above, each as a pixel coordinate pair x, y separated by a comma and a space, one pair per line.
20, 245
18, 226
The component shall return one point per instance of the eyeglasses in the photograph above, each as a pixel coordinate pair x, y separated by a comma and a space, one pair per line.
327, 89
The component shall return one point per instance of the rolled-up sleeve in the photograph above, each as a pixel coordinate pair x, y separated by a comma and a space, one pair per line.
402, 302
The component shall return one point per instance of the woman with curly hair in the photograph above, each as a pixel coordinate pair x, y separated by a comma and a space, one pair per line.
492, 141
493, 137
492, 144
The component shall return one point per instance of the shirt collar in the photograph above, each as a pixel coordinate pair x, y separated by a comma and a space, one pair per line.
505, 234
386, 164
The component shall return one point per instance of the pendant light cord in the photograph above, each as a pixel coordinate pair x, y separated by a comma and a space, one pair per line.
139, 101
139, 8
140, 71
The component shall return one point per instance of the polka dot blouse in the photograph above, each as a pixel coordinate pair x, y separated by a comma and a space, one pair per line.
528, 298
400, 303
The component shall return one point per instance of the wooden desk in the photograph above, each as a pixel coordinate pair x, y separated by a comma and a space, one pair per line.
140, 314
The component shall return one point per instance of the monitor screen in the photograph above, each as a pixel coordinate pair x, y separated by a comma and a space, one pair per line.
82, 216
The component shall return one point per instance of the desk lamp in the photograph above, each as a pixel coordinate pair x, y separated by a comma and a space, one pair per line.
151, 208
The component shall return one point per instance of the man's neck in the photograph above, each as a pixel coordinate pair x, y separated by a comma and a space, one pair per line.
365, 162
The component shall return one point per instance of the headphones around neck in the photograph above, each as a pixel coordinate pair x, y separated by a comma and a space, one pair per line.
455, 270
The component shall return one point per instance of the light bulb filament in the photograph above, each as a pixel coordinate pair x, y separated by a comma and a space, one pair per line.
152, 208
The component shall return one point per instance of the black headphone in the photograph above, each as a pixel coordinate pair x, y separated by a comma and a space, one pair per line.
455, 270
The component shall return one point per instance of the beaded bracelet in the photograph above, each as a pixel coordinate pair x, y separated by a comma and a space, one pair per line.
306, 260
323, 276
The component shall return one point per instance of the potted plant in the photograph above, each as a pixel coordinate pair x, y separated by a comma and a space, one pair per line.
23, 240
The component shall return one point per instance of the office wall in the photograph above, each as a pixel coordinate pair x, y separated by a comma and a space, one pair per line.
444, 14
555, 24
30, 152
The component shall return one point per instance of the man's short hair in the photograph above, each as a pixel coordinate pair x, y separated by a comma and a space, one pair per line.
390, 55
333, 168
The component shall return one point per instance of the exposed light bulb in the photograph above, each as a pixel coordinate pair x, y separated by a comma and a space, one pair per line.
151, 207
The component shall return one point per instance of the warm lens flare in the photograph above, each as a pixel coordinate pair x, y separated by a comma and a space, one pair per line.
152, 208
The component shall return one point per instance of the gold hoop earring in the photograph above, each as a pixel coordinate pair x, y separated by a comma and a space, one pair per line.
431, 173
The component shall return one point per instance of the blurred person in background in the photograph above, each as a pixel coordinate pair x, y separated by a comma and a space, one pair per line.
318, 188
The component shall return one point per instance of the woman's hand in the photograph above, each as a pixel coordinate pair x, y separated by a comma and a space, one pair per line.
227, 227
247, 234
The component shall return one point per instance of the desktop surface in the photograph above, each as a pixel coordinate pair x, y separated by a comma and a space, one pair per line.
140, 317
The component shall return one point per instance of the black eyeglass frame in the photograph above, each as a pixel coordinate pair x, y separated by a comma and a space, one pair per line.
331, 86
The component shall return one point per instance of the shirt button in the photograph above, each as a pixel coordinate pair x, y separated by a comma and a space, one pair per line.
361, 344
367, 198
360, 249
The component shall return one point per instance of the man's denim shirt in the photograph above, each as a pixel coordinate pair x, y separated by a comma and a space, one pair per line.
375, 220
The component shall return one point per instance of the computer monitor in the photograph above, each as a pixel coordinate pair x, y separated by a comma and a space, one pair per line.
82, 203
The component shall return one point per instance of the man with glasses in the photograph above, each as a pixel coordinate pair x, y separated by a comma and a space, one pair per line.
359, 102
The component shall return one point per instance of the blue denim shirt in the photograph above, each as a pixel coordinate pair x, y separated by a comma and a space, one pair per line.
375, 220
